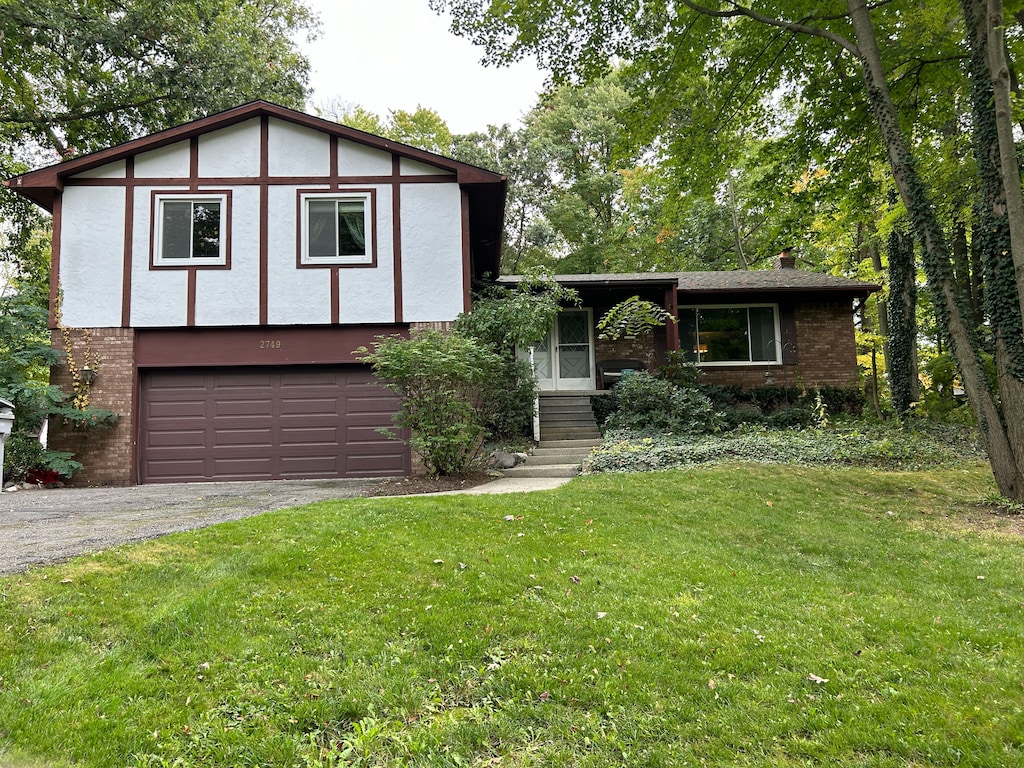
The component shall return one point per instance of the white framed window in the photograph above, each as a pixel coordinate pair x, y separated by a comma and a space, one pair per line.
190, 230
337, 228
730, 334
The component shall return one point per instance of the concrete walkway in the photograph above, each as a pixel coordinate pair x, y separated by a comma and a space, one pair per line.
511, 485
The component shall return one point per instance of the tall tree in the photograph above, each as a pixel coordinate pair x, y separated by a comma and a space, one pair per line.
80, 74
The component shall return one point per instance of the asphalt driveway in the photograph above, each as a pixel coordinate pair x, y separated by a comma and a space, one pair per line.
46, 526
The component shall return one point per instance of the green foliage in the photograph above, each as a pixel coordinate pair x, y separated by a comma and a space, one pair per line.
680, 371
644, 401
633, 317
442, 381
506, 318
912, 446
508, 402
83, 75
23, 453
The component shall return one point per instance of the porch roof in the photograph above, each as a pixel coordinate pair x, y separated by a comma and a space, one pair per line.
733, 282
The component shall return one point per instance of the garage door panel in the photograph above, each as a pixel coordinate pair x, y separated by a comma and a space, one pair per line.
371, 405
179, 438
309, 436
266, 423
239, 438
261, 407
313, 406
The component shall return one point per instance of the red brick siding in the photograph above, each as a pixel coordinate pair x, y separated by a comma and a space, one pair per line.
106, 454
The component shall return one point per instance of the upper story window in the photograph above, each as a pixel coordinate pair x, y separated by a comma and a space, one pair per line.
730, 335
190, 230
337, 228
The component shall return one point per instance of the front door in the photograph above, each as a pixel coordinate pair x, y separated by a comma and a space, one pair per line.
564, 359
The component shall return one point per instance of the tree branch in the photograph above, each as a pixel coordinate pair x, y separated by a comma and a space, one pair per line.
803, 29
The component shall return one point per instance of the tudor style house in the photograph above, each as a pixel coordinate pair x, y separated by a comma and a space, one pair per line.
212, 282
223, 272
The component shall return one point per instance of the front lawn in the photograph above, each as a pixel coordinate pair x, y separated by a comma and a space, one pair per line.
738, 615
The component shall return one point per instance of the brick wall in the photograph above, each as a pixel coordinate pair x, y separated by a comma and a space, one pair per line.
825, 345
105, 453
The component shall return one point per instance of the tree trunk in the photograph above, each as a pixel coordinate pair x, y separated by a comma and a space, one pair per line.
1000, 73
1007, 463
902, 307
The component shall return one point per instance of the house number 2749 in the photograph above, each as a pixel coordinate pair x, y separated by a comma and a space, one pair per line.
270, 344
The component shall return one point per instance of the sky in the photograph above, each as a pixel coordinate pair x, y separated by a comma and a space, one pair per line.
398, 54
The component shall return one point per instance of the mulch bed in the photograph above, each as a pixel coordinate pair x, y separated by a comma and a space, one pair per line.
406, 486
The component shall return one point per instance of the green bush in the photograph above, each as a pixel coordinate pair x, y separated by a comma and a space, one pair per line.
793, 417
508, 402
644, 401
741, 413
443, 382
23, 453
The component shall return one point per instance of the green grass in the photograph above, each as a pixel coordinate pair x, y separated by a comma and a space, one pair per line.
727, 615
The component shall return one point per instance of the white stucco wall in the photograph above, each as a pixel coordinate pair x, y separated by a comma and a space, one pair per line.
297, 151
358, 160
367, 295
92, 256
295, 296
232, 296
168, 162
431, 252
114, 170
414, 168
231, 152
159, 297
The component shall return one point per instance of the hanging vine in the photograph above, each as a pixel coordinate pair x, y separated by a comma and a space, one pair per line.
81, 383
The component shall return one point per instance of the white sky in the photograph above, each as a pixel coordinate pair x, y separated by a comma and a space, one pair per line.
398, 54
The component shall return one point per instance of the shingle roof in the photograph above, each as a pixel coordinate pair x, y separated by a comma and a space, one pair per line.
737, 281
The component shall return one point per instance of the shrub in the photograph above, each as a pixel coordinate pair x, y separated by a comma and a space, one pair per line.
443, 382
848, 400
508, 402
24, 455
603, 406
793, 417
644, 401
771, 397
741, 413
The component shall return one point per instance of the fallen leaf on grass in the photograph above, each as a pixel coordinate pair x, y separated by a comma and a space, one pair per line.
816, 679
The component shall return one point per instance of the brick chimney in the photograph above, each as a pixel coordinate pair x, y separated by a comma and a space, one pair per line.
785, 259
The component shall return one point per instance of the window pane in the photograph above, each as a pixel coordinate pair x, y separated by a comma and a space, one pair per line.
724, 333
322, 229
176, 229
763, 345
688, 334
351, 228
206, 230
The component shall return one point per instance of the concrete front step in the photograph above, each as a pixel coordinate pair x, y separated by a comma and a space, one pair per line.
564, 434
567, 413
543, 470
562, 457
586, 443
559, 400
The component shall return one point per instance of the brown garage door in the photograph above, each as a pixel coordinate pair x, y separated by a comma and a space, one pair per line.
266, 424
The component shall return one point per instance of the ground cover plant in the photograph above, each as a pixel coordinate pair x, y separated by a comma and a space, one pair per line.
724, 615
916, 445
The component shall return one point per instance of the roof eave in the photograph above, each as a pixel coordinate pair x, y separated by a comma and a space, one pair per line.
50, 176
